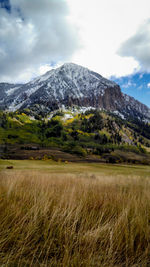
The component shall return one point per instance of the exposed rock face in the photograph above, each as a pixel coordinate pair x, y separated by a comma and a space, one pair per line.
70, 85
134, 107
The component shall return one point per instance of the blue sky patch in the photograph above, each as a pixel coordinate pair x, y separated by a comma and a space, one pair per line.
136, 85
6, 5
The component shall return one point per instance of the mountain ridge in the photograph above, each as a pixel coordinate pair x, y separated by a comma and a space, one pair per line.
67, 86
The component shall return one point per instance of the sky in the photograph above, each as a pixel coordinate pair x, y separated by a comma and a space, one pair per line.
111, 37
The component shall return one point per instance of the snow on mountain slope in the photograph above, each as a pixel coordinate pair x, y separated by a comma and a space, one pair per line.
70, 85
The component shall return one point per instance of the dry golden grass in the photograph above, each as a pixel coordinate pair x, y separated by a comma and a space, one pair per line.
73, 220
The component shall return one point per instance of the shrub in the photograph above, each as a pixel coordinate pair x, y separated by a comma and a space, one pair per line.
45, 157
79, 151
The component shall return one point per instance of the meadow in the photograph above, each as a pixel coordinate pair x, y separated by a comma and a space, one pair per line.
59, 214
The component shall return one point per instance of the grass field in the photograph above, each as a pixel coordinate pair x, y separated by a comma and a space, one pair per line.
57, 214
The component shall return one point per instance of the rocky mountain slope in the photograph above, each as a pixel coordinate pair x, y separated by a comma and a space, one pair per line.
67, 86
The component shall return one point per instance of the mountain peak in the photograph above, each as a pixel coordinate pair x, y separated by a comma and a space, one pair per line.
70, 85
70, 65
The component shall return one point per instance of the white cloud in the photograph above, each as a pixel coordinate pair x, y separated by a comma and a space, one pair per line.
128, 84
86, 32
141, 75
35, 33
138, 46
148, 85
104, 26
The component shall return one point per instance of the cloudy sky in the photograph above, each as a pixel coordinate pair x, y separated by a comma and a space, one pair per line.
111, 37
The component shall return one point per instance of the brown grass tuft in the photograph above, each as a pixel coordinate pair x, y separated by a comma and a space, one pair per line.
70, 220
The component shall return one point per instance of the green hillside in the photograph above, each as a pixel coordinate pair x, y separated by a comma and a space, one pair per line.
90, 133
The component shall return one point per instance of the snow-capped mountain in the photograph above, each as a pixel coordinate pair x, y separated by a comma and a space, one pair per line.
70, 85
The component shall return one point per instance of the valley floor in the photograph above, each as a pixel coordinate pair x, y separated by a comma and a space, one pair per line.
74, 214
